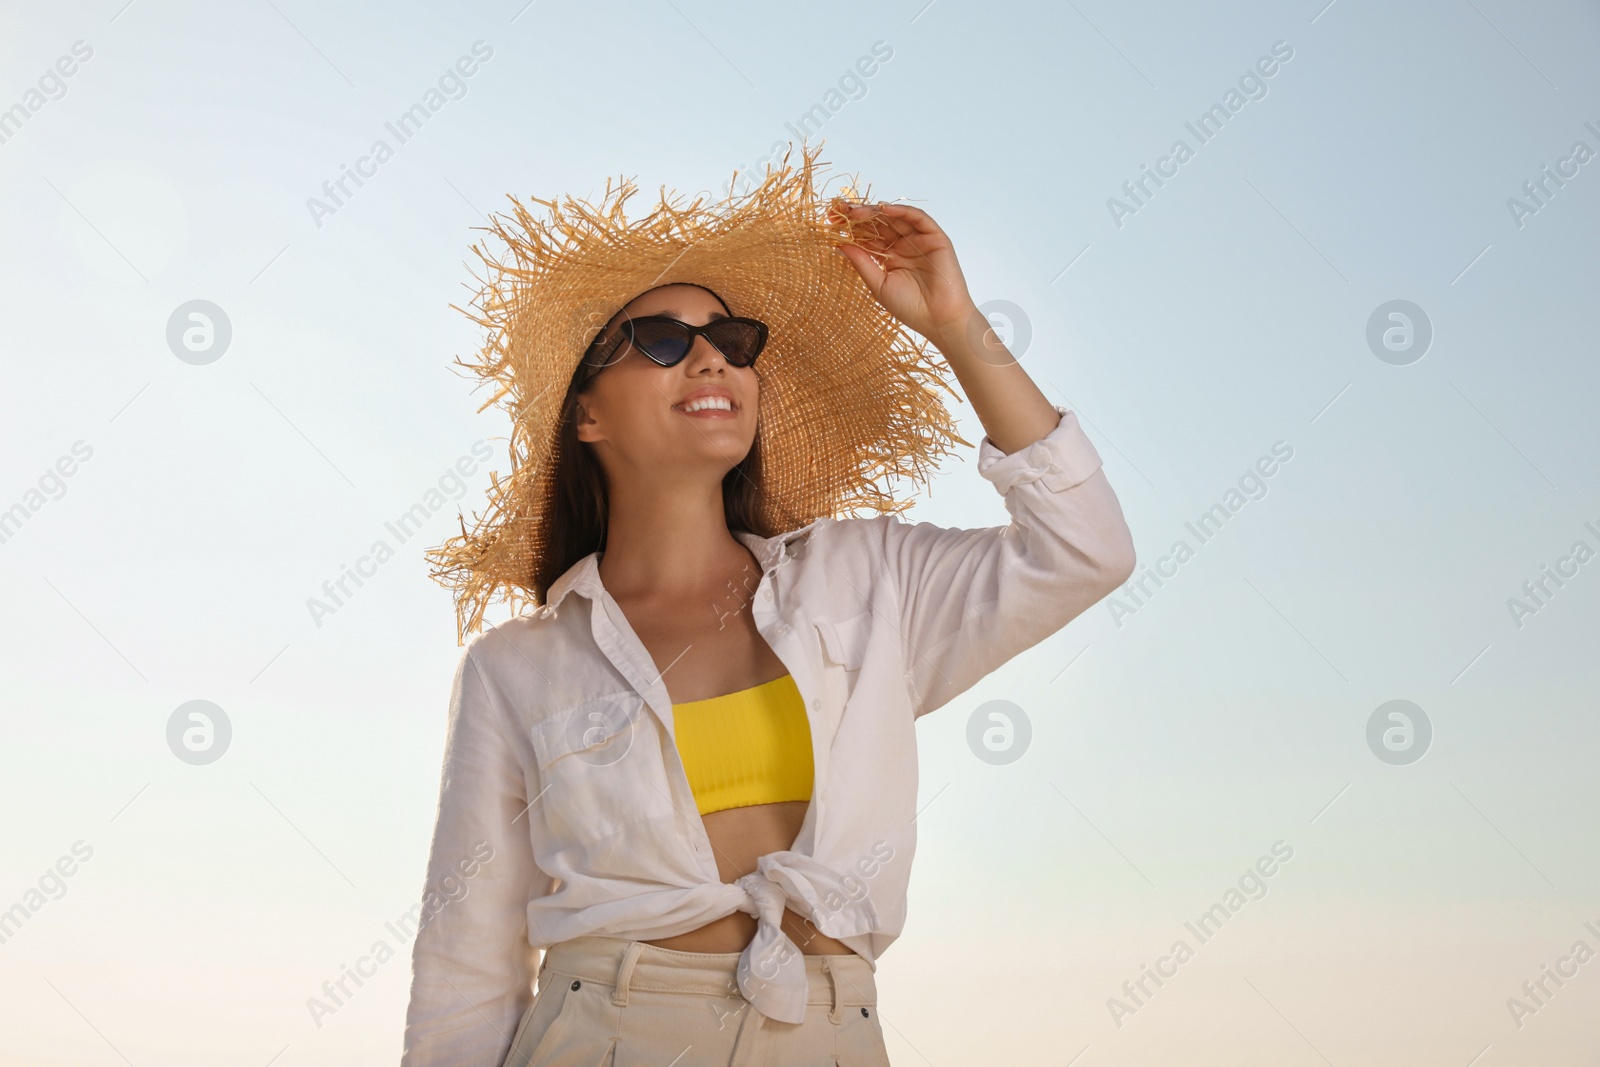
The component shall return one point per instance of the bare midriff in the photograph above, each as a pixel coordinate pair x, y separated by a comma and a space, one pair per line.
707, 644
739, 836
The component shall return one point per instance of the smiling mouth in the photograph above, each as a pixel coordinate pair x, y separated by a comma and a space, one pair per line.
707, 407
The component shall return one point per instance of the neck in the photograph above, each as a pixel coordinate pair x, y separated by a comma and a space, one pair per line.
670, 541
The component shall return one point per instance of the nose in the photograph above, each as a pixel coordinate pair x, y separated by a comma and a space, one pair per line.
704, 352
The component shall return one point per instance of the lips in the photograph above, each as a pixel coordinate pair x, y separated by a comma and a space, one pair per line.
710, 402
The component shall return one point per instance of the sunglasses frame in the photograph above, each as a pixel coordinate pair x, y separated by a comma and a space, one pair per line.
625, 335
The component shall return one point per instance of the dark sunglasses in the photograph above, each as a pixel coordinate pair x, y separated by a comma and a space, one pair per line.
667, 341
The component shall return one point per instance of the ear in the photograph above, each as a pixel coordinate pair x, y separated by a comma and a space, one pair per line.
587, 426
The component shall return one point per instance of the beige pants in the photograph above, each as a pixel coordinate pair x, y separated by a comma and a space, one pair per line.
613, 1002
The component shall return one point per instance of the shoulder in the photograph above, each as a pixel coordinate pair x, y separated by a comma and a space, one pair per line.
861, 536
837, 546
870, 542
533, 666
512, 647
838, 563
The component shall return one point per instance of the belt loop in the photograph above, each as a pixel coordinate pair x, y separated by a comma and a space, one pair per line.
619, 995
833, 980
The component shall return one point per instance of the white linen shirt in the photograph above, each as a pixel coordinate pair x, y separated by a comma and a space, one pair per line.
561, 753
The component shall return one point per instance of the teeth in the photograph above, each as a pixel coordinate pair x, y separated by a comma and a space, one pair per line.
702, 403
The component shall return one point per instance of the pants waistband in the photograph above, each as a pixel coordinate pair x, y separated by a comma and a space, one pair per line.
621, 964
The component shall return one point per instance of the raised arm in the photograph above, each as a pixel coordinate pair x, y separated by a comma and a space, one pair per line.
472, 965
970, 599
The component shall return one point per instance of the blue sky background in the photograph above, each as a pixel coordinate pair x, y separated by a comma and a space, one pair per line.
1172, 746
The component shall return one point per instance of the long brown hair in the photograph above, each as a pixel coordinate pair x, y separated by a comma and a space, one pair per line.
580, 507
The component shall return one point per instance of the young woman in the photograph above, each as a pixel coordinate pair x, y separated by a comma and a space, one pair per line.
690, 777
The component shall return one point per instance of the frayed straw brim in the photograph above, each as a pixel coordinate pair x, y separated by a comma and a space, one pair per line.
848, 396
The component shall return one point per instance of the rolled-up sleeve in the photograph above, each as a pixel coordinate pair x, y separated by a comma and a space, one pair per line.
472, 963
971, 599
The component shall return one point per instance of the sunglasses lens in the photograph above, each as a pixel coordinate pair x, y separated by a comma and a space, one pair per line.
664, 342
739, 342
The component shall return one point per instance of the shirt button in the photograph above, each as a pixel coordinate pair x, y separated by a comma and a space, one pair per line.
766, 593
1039, 454
816, 703
781, 629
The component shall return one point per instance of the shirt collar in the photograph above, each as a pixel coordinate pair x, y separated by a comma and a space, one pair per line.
584, 575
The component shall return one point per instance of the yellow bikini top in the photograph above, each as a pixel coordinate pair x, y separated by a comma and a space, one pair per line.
748, 747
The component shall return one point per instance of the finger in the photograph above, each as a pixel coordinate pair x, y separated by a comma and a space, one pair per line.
918, 248
908, 224
839, 208
853, 210
892, 262
874, 242
883, 222
892, 257
903, 226
905, 254
908, 213
871, 231
871, 236
849, 203
864, 264
862, 212
914, 236
858, 215
913, 217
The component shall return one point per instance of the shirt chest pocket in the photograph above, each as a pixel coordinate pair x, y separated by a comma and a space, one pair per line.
600, 768
844, 648
845, 640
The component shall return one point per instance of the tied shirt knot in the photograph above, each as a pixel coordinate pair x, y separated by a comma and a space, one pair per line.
772, 971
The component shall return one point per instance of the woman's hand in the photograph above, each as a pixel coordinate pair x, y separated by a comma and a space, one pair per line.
911, 269
909, 266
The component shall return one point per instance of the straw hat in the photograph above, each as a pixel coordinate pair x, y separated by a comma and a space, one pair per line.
848, 394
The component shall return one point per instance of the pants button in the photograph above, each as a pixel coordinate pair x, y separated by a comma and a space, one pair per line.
576, 984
